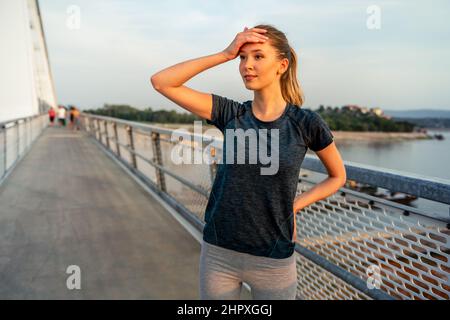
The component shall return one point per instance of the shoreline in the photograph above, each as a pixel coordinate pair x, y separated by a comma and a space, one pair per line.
370, 136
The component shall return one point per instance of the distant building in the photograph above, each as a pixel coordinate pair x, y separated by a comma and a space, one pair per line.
351, 107
365, 110
378, 111
355, 108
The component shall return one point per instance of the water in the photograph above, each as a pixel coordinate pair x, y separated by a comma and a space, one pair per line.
424, 157
429, 158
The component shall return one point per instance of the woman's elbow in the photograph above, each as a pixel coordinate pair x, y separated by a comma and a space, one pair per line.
342, 179
154, 82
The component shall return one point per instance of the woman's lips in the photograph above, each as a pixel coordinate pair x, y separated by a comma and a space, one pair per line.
249, 78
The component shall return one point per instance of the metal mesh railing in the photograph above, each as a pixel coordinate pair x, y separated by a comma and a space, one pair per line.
16, 137
411, 252
344, 243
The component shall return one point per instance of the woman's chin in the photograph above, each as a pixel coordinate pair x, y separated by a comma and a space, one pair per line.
249, 86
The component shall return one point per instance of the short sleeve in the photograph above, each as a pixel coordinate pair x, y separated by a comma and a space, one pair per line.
319, 134
223, 111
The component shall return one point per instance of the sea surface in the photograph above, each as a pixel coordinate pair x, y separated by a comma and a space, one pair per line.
429, 158
426, 158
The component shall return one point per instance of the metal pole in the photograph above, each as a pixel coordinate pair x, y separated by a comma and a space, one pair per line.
99, 130
106, 134
31, 130
157, 157
94, 130
116, 136
213, 166
5, 145
25, 132
91, 127
18, 139
131, 145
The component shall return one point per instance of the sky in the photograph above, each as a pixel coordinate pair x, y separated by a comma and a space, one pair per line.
388, 54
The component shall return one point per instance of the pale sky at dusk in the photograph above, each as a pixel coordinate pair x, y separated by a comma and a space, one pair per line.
403, 65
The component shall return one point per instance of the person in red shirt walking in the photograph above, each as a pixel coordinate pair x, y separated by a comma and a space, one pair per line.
51, 115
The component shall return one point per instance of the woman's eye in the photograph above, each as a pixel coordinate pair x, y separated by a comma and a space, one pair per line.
257, 57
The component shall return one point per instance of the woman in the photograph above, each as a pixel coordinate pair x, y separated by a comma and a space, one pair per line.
250, 228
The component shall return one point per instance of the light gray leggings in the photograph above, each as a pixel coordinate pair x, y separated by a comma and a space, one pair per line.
222, 272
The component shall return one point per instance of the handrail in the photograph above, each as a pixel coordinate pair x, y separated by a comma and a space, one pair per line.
21, 139
418, 185
5, 123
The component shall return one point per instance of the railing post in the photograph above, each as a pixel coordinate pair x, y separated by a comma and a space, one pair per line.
5, 145
157, 157
213, 165
31, 130
99, 130
18, 139
106, 134
25, 133
116, 137
131, 146
82, 123
92, 128
30, 136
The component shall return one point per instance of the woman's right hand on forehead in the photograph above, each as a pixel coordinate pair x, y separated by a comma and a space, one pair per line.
253, 35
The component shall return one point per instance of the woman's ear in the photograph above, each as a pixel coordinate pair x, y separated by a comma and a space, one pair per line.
283, 66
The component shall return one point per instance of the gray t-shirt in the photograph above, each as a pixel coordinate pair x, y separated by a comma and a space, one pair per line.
248, 211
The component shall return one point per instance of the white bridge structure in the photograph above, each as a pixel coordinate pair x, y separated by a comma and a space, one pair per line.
25, 79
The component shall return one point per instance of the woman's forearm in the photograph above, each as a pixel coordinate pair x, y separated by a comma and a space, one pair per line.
320, 191
180, 73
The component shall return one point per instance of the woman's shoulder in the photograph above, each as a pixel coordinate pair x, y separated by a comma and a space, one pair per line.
302, 115
221, 100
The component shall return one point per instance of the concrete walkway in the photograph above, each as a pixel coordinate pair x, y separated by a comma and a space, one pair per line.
67, 203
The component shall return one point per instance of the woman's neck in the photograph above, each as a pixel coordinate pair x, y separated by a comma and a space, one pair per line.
267, 106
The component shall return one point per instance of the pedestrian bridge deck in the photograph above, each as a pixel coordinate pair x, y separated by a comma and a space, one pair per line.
68, 203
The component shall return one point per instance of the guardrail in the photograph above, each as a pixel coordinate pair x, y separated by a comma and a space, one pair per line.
16, 137
350, 245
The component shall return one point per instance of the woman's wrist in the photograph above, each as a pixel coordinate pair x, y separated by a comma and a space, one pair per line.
226, 56
298, 205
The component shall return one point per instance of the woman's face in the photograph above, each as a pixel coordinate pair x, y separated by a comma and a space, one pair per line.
260, 60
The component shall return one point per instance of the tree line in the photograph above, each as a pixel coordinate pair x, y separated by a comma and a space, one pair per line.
336, 118
355, 120
127, 112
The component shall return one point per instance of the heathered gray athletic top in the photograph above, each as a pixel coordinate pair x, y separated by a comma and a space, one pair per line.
250, 211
